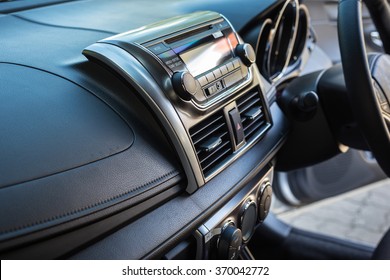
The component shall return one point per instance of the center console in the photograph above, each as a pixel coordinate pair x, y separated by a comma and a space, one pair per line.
199, 78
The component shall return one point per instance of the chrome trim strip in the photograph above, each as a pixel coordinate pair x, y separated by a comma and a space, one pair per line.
305, 11
291, 41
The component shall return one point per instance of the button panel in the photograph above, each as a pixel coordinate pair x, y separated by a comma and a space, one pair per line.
215, 88
221, 77
172, 60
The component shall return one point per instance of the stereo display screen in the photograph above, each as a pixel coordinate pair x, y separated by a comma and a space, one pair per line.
206, 56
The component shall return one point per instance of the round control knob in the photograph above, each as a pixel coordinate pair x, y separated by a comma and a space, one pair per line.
184, 85
229, 243
265, 198
246, 53
248, 220
307, 102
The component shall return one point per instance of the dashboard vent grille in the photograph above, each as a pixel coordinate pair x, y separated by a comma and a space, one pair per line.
212, 142
252, 114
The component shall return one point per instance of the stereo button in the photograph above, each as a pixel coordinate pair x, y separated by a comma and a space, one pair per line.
223, 69
202, 80
210, 77
230, 66
217, 73
172, 61
211, 90
236, 64
219, 85
158, 48
232, 78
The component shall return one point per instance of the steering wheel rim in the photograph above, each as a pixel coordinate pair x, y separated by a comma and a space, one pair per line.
359, 82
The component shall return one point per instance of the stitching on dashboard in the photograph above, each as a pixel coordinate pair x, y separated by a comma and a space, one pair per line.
82, 209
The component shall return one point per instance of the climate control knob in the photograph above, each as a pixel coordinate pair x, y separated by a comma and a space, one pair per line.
265, 197
248, 220
184, 85
229, 244
246, 53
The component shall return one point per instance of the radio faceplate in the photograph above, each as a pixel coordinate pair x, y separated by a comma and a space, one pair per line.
208, 54
193, 70
202, 54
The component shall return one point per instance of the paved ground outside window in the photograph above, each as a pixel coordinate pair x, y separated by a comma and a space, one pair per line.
362, 215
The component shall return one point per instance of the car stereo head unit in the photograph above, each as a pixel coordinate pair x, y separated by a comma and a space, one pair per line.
204, 64
204, 59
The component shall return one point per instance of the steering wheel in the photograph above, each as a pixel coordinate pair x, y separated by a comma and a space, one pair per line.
367, 78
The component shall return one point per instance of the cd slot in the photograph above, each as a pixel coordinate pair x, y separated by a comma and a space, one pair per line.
188, 34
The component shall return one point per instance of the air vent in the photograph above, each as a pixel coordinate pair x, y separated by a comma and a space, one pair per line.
253, 116
262, 47
212, 142
302, 34
282, 40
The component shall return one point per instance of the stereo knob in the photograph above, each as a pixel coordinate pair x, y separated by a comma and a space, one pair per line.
184, 85
246, 53
230, 242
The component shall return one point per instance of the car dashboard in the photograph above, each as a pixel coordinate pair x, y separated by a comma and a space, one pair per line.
128, 133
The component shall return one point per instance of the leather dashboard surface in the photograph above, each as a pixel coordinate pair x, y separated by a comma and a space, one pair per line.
76, 139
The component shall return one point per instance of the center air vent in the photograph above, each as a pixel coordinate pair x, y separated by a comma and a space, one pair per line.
253, 115
212, 142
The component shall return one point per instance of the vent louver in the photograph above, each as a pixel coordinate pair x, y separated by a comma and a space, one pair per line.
212, 142
252, 114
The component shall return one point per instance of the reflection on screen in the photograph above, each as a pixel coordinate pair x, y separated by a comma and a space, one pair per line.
207, 56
